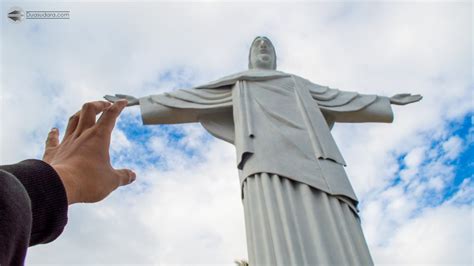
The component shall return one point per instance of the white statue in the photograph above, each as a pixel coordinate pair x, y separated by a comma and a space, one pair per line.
300, 208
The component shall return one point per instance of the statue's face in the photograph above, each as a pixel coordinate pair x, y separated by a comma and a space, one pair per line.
262, 54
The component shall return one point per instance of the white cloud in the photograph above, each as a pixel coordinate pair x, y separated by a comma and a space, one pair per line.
452, 147
415, 157
186, 209
443, 235
119, 140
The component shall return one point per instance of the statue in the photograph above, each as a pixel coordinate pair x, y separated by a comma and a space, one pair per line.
299, 206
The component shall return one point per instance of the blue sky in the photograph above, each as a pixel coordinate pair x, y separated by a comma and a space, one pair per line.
461, 163
413, 177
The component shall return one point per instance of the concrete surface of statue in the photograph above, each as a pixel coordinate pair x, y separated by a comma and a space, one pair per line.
300, 208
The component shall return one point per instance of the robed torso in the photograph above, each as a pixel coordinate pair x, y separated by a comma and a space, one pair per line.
279, 123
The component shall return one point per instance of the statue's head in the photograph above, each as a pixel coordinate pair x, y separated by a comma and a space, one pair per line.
262, 54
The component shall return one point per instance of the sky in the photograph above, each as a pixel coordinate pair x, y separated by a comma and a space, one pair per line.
413, 177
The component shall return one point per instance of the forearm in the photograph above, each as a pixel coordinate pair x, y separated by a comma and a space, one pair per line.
154, 112
47, 197
378, 110
15, 220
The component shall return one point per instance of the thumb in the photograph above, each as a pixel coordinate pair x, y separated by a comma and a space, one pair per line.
53, 138
126, 176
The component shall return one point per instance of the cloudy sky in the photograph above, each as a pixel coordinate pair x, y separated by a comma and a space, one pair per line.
414, 177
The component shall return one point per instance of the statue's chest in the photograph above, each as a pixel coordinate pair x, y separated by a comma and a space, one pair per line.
278, 95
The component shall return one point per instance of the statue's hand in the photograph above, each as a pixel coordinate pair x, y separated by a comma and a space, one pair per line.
404, 98
131, 100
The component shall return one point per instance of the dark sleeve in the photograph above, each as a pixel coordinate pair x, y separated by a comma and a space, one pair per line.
33, 208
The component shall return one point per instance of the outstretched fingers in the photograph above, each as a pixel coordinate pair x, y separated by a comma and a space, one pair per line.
124, 96
72, 125
52, 142
88, 115
107, 120
53, 138
125, 176
416, 97
403, 95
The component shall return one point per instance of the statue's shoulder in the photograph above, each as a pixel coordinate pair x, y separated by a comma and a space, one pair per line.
249, 75
311, 86
224, 81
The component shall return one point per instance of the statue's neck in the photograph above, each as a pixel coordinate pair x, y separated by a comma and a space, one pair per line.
261, 69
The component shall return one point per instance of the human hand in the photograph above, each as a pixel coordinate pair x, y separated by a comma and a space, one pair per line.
131, 100
405, 98
82, 159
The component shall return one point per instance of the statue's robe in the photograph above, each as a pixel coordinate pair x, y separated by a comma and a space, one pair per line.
299, 205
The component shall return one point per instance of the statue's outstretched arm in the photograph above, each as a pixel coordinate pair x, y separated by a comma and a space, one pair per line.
180, 106
131, 100
405, 98
353, 107
155, 113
